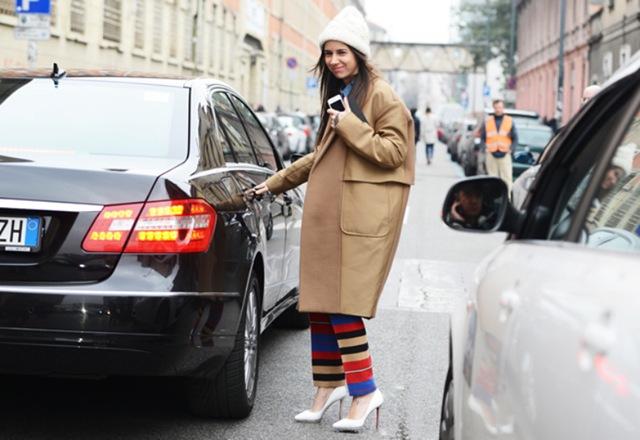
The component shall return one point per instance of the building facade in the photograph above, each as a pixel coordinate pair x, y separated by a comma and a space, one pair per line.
263, 48
615, 37
538, 50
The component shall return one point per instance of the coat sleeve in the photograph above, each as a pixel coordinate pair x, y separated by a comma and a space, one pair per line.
387, 145
295, 174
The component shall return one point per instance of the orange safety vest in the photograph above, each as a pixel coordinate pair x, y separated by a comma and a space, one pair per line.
498, 140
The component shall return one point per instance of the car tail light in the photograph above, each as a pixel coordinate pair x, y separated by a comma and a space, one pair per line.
307, 131
172, 226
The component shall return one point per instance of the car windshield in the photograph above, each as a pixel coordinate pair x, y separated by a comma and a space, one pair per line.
92, 117
534, 136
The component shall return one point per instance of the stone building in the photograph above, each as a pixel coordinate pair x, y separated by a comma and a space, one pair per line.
615, 37
263, 48
538, 48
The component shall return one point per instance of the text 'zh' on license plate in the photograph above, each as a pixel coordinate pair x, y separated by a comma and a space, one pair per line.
20, 234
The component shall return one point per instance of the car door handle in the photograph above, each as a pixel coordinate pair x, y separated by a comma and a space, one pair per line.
509, 301
598, 338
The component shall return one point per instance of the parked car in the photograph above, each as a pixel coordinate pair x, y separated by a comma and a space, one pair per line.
532, 138
128, 242
547, 346
276, 132
472, 150
295, 133
461, 131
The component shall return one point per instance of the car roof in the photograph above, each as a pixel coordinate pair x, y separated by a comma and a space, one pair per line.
114, 75
515, 112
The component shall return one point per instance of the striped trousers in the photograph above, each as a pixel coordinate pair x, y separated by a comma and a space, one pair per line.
339, 352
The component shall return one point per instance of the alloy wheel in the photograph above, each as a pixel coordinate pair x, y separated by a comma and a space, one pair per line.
251, 334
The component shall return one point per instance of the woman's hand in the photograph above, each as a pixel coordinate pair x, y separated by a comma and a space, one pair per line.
261, 188
335, 116
256, 192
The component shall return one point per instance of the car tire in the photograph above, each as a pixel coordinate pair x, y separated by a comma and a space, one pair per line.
291, 318
231, 393
447, 426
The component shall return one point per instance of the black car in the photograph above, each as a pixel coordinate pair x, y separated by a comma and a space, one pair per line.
128, 242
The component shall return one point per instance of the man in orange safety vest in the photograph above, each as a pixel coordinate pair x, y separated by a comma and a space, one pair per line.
499, 135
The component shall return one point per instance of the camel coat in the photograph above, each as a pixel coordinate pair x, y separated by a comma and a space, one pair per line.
358, 185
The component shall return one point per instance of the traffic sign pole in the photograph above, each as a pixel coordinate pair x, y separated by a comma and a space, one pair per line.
34, 23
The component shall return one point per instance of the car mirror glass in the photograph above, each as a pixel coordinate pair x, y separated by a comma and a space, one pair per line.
476, 204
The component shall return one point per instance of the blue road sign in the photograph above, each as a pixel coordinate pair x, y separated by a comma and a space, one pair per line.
486, 91
33, 6
292, 63
312, 82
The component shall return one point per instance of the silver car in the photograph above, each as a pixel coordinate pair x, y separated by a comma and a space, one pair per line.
548, 344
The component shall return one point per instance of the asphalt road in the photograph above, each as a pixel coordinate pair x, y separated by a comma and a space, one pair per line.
408, 340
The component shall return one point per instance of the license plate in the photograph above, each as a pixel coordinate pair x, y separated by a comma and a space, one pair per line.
20, 234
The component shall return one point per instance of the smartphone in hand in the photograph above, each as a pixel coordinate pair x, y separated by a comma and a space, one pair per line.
335, 102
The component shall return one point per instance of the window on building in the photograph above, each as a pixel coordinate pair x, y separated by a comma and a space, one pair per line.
188, 35
223, 40
7, 7
77, 16
607, 64
173, 30
232, 39
158, 20
112, 20
625, 54
54, 12
213, 35
139, 24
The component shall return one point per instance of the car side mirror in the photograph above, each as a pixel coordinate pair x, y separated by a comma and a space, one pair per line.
476, 204
296, 156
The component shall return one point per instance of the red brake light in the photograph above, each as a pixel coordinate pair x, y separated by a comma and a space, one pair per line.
307, 131
166, 227
110, 230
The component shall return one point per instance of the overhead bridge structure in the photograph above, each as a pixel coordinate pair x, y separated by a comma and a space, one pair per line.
391, 56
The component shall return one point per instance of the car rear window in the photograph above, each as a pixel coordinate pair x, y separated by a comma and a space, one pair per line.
534, 137
96, 117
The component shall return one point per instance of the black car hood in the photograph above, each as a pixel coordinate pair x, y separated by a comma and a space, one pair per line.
80, 179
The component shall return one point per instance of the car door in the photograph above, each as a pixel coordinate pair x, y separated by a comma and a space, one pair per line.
543, 301
284, 209
248, 173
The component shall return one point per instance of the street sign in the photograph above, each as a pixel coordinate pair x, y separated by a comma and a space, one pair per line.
27, 33
312, 82
33, 27
486, 91
292, 63
34, 20
33, 6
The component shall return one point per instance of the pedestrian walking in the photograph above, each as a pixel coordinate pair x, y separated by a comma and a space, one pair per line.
358, 179
416, 125
429, 133
499, 134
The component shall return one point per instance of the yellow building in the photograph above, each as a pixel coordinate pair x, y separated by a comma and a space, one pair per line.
263, 48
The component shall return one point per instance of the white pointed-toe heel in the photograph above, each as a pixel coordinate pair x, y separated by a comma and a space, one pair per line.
347, 424
308, 416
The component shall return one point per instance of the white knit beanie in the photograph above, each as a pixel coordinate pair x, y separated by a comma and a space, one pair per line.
623, 157
348, 27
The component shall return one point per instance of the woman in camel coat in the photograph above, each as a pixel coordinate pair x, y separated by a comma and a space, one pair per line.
358, 178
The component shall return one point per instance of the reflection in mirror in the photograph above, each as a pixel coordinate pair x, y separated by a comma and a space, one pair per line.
476, 204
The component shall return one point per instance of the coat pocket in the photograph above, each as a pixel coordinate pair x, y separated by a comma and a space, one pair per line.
365, 209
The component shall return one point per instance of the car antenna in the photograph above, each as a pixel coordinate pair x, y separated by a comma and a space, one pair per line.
57, 73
